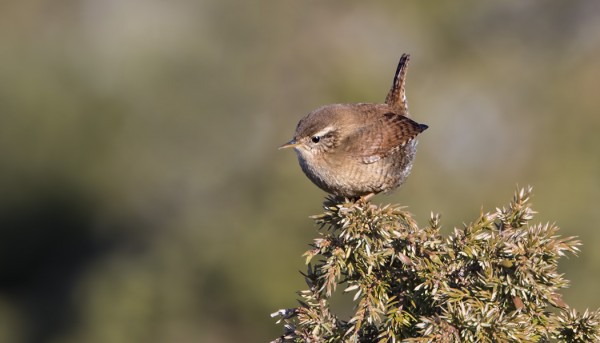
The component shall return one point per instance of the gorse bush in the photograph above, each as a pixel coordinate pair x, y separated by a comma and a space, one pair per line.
494, 280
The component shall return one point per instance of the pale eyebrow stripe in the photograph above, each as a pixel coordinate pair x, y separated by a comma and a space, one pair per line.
324, 131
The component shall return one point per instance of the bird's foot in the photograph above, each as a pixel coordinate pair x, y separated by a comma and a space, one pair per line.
365, 198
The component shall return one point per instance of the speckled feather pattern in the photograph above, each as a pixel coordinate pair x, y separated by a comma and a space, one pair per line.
352, 150
370, 158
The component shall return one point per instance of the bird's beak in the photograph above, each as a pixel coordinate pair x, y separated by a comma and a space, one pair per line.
290, 144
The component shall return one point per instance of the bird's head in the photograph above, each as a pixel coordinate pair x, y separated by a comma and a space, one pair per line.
317, 133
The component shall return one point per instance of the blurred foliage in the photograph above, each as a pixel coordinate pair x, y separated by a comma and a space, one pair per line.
142, 197
494, 280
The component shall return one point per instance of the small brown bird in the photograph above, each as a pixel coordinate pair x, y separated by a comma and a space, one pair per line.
359, 150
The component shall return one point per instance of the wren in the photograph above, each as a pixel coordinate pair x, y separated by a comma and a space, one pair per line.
361, 149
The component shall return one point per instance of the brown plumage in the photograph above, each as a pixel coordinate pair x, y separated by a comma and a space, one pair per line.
358, 150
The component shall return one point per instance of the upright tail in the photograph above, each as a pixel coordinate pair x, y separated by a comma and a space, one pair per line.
396, 98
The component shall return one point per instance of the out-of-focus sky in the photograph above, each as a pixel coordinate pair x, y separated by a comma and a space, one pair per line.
142, 197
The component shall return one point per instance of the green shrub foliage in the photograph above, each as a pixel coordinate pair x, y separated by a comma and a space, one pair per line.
494, 280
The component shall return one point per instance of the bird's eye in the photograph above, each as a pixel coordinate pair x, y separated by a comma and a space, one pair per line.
315, 139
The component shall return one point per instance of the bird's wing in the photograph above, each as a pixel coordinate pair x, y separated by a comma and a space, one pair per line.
386, 135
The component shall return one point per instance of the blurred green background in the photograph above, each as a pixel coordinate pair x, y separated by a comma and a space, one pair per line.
142, 197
